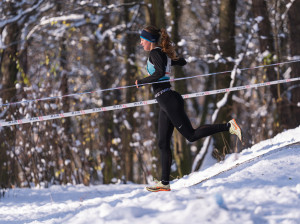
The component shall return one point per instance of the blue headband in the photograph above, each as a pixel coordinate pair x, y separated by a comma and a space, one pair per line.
149, 37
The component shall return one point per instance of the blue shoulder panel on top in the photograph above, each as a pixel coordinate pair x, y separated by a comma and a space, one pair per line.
151, 70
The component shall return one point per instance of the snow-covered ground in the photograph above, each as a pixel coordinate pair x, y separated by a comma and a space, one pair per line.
259, 185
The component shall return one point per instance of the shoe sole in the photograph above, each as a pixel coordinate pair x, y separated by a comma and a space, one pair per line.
157, 189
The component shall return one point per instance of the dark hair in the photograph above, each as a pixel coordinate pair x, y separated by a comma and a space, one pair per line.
166, 44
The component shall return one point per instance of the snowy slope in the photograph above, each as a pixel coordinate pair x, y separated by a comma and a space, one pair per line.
264, 188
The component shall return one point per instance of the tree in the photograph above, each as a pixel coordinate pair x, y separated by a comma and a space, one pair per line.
181, 149
8, 75
50, 48
227, 47
156, 13
294, 29
130, 77
267, 47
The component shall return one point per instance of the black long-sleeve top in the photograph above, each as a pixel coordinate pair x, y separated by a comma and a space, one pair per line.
159, 59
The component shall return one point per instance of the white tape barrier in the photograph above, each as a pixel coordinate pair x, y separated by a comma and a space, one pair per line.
136, 104
125, 87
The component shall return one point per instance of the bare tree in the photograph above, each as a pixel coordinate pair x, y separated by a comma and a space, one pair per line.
8, 77
228, 49
294, 29
267, 47
181, 149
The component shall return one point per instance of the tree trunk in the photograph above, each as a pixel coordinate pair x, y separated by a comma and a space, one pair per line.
104, 76
130, 77
8, 77
8, 66
157, 13
294, 28
181, 149
227, 45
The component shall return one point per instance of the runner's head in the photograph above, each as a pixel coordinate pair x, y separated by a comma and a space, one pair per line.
152, 37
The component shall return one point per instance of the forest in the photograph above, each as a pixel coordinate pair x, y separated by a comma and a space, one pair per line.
65, 56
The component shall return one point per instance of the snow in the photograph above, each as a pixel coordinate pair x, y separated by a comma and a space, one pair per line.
20, 15
200, 155
182, 42
258, 19
2, 38
259, 185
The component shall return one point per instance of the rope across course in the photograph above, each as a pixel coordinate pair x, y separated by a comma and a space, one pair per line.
140, 103
125, 87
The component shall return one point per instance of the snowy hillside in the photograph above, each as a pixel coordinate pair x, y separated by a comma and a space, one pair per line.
259, 185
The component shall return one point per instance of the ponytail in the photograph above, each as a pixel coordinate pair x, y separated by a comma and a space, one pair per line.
166, 44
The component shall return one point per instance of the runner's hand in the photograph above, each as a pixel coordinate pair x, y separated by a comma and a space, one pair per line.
136, 83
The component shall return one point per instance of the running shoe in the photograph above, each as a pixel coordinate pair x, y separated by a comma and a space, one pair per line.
159, 187
235, 129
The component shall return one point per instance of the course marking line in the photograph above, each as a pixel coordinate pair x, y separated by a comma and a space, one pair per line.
140, 103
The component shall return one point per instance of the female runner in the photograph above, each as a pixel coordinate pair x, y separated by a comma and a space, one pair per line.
162, 56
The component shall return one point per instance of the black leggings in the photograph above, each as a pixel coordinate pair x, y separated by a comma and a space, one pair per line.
172, 114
